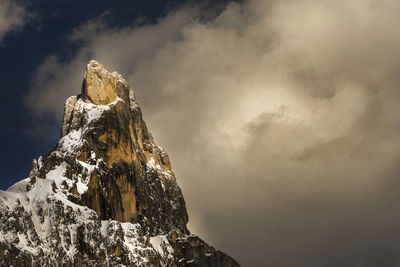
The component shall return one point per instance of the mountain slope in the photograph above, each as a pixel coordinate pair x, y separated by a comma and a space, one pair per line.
105, 195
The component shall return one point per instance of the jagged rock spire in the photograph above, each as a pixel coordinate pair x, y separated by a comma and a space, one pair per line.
99, 86
104, 195
105, 125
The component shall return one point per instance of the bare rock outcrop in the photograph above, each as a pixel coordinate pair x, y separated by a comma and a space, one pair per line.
105, 195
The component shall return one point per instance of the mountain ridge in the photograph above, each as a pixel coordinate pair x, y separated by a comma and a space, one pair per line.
104, 195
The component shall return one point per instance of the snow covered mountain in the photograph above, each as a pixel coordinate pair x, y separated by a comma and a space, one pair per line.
104, 196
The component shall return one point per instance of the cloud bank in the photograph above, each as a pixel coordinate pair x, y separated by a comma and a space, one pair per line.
12, 17
280, 117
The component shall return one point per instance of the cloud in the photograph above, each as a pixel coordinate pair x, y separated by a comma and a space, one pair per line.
281, 119
120, 48
12, 17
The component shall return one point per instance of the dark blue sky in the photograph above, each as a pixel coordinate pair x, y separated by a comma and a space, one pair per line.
22, 52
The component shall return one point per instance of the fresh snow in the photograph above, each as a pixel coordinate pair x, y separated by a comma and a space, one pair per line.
152, 165
132, 100
104, 227
94, 112
19, 186
70, 142
81, 187
57, 175
159, 243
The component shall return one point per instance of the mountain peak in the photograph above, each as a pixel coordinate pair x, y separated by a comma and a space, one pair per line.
101, 87
104, 195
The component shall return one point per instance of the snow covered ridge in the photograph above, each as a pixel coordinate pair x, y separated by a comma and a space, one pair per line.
41, 227
46, 229
105, 195
52, 227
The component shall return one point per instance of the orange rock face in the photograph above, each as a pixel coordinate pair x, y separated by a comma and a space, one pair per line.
130, 167
99, 86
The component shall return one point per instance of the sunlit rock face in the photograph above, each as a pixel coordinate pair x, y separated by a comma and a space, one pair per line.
99, 86
104, 195
121, 154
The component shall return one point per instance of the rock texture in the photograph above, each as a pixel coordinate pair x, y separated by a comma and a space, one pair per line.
104, 196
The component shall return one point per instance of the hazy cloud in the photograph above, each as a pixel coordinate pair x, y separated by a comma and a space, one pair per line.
12, 16
281, 119
121, 48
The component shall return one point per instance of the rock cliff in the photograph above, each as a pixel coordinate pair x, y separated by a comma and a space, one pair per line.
105, 195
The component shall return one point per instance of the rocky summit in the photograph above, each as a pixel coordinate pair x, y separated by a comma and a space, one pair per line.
105, 195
